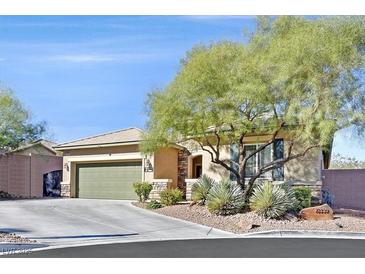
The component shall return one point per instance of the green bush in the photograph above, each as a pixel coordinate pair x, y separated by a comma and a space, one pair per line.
200, 190
154, 204
170, 197
303, 196
142, 190
272, 201
225, 198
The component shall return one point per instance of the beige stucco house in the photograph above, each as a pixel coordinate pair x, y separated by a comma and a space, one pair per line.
106, 165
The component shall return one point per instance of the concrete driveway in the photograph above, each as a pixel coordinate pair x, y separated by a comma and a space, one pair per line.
59, 222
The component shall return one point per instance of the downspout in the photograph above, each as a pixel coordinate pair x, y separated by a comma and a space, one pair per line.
30, 175
144, 168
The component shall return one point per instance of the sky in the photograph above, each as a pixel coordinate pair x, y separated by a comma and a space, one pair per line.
87, 75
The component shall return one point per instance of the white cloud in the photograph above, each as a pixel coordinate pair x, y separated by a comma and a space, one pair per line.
127, 57
215, 17
61, 24
84, 58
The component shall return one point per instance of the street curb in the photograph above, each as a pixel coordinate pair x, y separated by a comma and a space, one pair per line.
304, 234
264, 234
119, 242
210, 229
8, 248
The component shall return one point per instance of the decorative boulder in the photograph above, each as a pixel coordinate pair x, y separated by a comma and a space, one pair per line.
317, 213
245, 225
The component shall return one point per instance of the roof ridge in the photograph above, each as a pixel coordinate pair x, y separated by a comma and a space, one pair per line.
99, 135
46, 140
34, 143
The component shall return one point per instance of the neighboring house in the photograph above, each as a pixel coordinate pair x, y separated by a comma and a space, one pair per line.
105, 166
23, 170
40, 147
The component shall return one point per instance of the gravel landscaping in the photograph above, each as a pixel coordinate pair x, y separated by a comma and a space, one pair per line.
251, 222
12, 238
4, 196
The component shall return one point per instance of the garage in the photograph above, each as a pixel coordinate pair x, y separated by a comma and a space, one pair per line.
108, 180
105, 166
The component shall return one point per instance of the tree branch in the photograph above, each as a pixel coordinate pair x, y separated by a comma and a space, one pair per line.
262, 147
207, 150
216, 160
218, 143
222, 163
273, 165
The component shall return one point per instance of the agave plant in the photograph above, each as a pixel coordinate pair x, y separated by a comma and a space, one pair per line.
272, 201
201, 188
225, 198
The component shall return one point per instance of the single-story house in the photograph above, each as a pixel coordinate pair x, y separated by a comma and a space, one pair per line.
39, 147
105, 166
23, 171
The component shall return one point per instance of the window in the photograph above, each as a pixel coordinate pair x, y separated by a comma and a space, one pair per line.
269, 154
258, 160
251, 165
278, 173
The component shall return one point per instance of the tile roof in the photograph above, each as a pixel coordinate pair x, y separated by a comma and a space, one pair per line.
46, 143
119, 136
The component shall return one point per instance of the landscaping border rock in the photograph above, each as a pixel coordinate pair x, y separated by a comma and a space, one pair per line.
6, 237
250, 222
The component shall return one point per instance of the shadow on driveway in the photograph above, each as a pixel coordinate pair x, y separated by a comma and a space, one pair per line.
13, 230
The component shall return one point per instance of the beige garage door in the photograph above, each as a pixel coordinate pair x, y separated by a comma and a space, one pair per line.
108, 180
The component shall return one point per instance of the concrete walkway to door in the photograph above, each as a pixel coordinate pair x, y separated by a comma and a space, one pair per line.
59, 222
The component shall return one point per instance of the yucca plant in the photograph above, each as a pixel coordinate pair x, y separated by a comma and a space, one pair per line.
225, 198
200, 190
272, 201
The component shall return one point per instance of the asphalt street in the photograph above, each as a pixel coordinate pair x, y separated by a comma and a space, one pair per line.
214, 248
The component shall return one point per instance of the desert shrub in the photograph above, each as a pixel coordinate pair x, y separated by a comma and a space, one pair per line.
225, 198
154, 204
303, 195
142, 190
200, 190
170, 197
272, 201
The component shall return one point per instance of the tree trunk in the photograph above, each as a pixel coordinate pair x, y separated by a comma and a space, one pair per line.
248, 191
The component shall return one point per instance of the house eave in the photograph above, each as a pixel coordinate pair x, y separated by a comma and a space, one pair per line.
70, 147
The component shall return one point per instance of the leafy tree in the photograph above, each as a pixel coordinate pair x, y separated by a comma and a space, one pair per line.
15, 126
297, 76
339, 161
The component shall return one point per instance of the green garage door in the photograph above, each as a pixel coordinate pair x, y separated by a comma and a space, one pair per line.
108, 181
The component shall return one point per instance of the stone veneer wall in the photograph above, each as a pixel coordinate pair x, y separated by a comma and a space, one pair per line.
159, 185
65, 190
189, 184
182, 169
